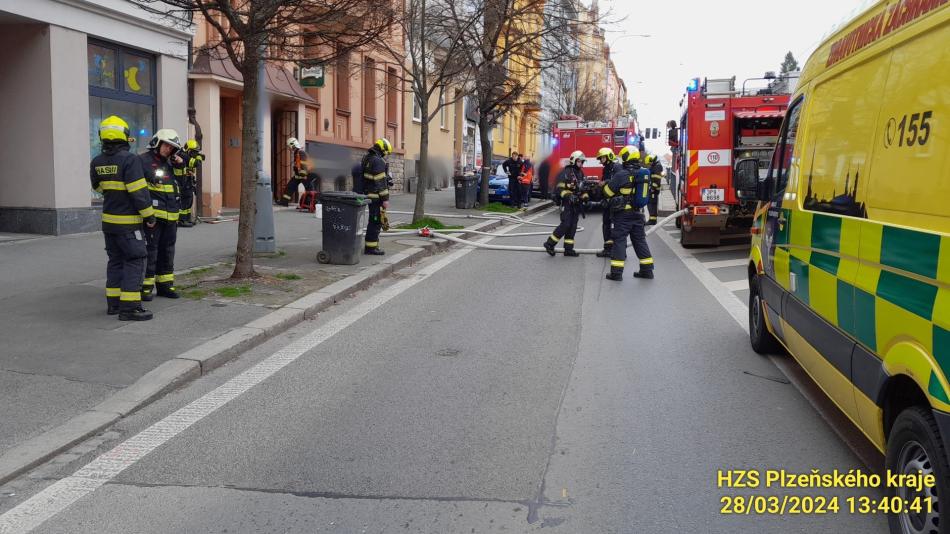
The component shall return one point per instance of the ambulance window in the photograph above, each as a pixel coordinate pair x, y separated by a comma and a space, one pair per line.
783, 157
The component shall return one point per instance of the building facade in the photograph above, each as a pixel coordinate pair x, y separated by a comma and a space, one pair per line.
357, 98
74, 64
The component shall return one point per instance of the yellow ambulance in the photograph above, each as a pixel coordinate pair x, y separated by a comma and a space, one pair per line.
850, 261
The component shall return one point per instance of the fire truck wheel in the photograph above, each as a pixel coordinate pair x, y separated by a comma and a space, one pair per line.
762, 340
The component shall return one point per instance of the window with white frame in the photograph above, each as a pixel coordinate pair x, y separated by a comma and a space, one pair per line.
416, 109
442, 110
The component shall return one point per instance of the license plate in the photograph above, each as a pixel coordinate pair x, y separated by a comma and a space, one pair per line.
714, 195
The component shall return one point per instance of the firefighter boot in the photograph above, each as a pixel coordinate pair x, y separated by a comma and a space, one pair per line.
113, 305
147, 294
608, 247
569, 249
549, 246
615, 275
135, 314
644, 273
373, 251
167, 290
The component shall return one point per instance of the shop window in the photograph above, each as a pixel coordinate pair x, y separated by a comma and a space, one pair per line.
101, 63
132, 99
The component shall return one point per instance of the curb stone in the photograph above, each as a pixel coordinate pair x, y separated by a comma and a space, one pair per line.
204, 358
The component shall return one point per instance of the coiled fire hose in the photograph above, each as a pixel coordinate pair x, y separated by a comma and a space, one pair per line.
445, 234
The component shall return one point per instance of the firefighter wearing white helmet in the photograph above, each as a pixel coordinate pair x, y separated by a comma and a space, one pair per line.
571, 196
302, 172
117, 175
375, 184
627, 193
159, 162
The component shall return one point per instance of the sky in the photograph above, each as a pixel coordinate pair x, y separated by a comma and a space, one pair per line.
709, 38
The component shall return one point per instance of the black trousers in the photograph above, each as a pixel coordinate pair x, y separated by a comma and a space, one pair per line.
605, 227
629, 223
514, 192
160, 268
652, 205
375, 223
186, 202
568, 227
125, 268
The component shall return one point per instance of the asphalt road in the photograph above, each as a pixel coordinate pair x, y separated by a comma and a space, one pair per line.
482, 392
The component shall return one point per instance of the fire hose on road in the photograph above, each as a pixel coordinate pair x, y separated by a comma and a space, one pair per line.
446, 234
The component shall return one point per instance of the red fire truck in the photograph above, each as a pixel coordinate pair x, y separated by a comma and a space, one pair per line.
721, 124
571, 133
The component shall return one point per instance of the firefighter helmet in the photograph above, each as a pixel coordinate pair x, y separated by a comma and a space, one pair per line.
113, 128
384, 146
650, 159
292, 142
165, 135
605, 154
629, 153
577, 158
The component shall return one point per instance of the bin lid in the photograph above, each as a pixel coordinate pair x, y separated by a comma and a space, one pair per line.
465, 178
343, 197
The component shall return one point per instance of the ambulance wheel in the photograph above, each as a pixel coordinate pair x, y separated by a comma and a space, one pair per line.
913, 447
323, 257
762, 340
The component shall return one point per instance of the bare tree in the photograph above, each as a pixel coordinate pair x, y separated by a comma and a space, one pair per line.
511, 44
249, 32
433, 63
591, 103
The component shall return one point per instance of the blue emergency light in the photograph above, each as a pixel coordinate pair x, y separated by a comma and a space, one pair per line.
693, 85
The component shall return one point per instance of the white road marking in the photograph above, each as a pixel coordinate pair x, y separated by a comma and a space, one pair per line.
736, 285
738, 262
733, 305
54, 499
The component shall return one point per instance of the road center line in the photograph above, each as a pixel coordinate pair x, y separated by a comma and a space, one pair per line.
60, 495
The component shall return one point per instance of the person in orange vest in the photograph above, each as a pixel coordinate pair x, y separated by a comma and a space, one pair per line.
527, 179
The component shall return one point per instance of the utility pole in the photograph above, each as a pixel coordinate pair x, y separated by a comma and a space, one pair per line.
264, 241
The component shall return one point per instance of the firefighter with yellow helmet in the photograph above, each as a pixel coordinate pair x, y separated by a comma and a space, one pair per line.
627, 193
376, 183
608, 159
117, 174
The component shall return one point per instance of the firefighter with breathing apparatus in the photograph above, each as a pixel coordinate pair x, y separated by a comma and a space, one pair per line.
569, 190
627, 193
187, 176
301, 171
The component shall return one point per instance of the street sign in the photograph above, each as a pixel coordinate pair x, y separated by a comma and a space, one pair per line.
312, 76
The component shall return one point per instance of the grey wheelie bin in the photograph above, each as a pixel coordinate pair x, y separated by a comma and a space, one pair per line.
344, 227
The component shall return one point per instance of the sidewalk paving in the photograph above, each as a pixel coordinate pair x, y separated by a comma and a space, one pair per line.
63, 355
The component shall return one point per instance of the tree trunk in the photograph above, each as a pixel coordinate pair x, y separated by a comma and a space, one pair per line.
423, 180
483, 135
244, 257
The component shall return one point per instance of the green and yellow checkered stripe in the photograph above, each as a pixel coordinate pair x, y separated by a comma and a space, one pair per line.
899, 290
